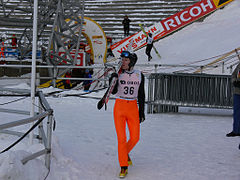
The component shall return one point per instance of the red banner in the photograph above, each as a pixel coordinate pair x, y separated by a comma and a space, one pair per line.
188, 15
80, 57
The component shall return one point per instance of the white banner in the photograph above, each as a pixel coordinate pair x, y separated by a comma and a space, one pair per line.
96, 39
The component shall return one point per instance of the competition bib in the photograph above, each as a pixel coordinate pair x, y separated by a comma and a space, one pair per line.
128, 85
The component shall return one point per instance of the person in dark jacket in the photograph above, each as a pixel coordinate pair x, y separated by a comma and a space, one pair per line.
128, 90
87, 83
14, 41
126, 25
236, 102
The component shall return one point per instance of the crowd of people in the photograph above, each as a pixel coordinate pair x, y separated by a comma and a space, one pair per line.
4, 45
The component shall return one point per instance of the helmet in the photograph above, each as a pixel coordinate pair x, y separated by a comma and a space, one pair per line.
133, 60
132, 56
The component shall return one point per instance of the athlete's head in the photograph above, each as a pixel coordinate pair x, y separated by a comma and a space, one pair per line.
128, 60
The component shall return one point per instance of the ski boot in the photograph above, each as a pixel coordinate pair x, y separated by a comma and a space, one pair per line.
124, 171
129, 161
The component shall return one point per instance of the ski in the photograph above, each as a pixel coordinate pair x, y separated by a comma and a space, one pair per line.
104, 100
154, 48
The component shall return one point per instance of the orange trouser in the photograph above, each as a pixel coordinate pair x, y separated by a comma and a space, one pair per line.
126, 111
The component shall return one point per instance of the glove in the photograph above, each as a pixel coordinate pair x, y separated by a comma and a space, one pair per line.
115, 89
141, 117
112, 76
236, 84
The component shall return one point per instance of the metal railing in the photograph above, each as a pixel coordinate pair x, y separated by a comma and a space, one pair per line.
169, 91
44, 135
153, 68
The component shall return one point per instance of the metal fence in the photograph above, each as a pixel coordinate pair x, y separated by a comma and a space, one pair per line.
169, 91
44, 135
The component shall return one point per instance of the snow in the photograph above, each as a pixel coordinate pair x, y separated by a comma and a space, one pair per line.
183, 146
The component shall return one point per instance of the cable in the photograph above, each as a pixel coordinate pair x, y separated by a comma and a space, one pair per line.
14, 100
47, 174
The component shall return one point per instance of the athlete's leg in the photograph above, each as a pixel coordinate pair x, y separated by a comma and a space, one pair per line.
120, 125
133, 126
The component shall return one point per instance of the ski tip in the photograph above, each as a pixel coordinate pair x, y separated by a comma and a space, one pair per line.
100, 105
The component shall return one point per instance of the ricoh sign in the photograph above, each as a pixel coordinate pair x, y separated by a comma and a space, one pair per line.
170, 24
188, 15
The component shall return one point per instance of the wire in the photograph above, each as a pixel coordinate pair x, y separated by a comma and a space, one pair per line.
14, 100
47, 174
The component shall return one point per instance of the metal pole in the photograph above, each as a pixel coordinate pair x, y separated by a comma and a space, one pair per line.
33, 78
223, 67
79, 34
49, 141
155, 69
40, 127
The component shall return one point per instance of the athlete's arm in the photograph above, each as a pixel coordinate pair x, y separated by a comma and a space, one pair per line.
141, 99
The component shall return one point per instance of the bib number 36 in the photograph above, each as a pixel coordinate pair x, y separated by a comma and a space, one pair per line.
128, 90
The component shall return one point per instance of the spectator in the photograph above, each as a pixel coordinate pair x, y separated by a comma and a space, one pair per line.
77, 73
67, 82
2, 48
43, 53
109, 53
126, 24
236, 102
14, 41
149, 46
87, 83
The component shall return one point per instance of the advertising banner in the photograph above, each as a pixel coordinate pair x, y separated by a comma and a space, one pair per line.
170, 24
80, 58
94, 34
96, 39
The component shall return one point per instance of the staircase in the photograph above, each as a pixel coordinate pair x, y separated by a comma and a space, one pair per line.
110, 13
16, 15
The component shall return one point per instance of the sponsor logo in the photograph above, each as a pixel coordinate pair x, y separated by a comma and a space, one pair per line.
122, 82
98, 42
188, 15
129, 82
220, 3
97, 37
133, 82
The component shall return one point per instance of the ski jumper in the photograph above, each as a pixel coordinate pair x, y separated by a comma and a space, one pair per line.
129, 89
149, 46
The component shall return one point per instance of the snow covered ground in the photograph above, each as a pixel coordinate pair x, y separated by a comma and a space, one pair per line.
183, 146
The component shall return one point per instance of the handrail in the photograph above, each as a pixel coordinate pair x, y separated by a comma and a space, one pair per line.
43, 136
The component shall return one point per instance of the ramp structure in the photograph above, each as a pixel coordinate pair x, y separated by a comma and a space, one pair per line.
16, 18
